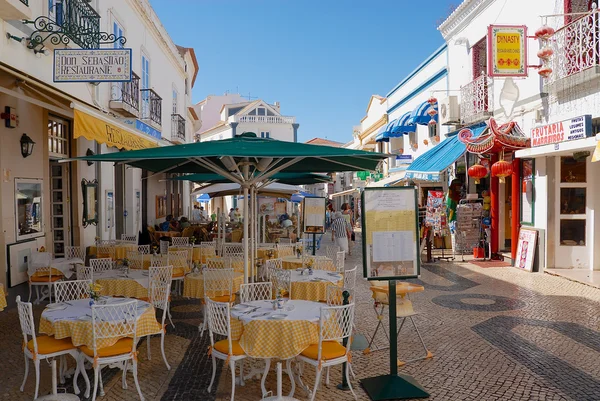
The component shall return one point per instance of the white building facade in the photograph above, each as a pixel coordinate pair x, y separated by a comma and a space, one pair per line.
73, 119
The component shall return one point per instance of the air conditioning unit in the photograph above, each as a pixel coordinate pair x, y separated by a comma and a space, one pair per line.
449, 111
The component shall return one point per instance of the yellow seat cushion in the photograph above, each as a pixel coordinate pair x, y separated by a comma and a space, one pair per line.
123, 346
223, 347
178, 272
50, 345
331, 350
44, 279
224, 298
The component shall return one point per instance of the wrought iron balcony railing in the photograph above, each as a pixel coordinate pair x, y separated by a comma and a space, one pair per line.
126, 95
177, 127
576, 49
151, 106
477, 100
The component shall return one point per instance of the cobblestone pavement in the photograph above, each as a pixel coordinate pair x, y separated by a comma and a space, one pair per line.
496, 334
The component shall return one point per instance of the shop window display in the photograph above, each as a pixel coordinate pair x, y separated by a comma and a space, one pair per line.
572, 200
572, 232
572, 170
28, 194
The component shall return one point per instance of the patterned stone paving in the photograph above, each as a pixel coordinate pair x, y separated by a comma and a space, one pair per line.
496, 334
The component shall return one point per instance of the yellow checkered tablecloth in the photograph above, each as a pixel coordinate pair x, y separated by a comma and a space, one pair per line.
122, 288
193, 285
312, 291
293, 262
80, 331
283, 339
2, 298
262, 253
120, 251
45, 272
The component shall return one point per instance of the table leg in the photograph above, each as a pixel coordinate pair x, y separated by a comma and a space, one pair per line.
264, 378
290, 374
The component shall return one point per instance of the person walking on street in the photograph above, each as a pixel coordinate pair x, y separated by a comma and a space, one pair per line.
347, 215
341, 231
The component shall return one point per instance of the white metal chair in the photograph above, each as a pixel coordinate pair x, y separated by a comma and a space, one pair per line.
180, 241
322, 263
72, 290
335, 325
124, 350
216, 263
236, 262
136, 259
208, 249
144, 249
158, 260
340, 261
179, 261
102, 264
74, 252
106, 249
276, 263
158, 290
42, 347
331, 251
227, 350
350, 278
43, 276
335, 295
286, 250
132, 239
231, 249
282, 281
256, 292
85, 273
285, 241
218, 286
164, 247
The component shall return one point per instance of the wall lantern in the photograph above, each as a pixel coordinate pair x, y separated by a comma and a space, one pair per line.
26, 145
89, 152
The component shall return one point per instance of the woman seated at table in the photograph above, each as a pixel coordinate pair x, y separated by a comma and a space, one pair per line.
183, 223
169, 224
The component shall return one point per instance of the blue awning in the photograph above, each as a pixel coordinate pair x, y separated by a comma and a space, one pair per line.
203, 198
403, 126
384, 135
431, 164
419, 114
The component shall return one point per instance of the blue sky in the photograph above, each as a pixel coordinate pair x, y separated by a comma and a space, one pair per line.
322, 59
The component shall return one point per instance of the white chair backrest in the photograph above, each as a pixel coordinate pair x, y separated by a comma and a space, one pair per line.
85, 273
26, 321
74, 252
179, 259
217, 282
336, 324
103, 242
41, 259
285, 241
282, 280
340, 261
164, 247
105, 249
102, 264
286, 250
159, 285
124, 314
218, 320
207, 250
350, 278
236, 262
230, 249
331, 251
136, 259
335, 295
273, 264
72, 290
129, 238
322, 263
216, 263
144, 249
256, 292
179, 241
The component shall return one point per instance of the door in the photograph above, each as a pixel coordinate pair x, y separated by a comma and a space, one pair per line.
574, 217
60, 208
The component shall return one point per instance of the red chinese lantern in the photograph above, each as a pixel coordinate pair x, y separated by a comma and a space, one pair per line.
432, 101
545, 72
477, 171
545, 53
544, 32
425, 142
501, 169
432, 112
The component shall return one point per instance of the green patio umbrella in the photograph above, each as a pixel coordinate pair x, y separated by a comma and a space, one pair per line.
284, 178
246, 160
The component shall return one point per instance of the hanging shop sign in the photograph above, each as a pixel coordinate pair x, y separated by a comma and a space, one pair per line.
507, 55
404, 159
92, 65
562, 131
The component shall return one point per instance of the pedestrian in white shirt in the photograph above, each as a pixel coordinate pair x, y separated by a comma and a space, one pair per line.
341, 231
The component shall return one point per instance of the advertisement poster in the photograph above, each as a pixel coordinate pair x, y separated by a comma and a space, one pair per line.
390, 233
435, 215
526, 249
314, 215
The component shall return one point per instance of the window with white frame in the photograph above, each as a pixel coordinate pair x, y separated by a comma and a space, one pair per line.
58, 137
118, 32
145, 85
259, 111
265, 134
175, 97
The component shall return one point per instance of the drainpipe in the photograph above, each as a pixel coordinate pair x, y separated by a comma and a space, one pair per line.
295, 127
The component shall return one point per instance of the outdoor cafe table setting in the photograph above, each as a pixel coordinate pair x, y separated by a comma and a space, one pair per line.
313, 286
294, 262
266, 333
197, 255
59, 266
120, 250
193, 284
133, 284
73, 319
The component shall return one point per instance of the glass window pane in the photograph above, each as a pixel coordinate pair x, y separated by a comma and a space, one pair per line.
572, 170
572, 201
29, 207
572, 232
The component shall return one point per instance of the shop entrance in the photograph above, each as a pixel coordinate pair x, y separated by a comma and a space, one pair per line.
59, 134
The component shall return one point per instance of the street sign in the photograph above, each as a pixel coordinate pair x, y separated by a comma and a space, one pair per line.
92, 65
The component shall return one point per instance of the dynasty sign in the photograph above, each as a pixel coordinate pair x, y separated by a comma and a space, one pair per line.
507, 51
95, 65
562, 131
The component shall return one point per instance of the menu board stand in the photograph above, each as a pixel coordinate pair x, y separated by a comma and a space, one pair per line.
390, 215
313, 216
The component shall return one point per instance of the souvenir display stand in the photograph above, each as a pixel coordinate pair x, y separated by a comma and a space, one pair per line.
435, 218
468, 229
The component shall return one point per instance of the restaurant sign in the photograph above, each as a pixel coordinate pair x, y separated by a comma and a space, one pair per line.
562, 131
92, 65
507, 50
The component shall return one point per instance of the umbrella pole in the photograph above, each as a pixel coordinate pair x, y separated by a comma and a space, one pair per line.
253, 231
245, 239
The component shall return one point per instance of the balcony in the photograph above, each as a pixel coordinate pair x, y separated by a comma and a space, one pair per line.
11, 10
80, 22
177, 128
266, 119
125, 96
477, 100
151, 107
576, 58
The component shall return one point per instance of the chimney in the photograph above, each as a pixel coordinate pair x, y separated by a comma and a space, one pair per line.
277, 106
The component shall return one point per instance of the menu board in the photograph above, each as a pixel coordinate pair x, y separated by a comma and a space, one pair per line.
313, 210
526, 249
390, 233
